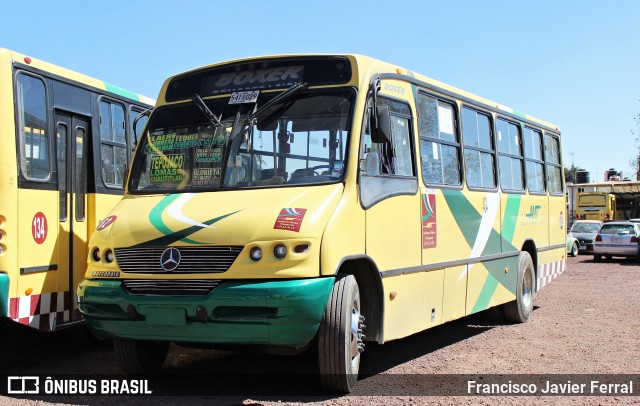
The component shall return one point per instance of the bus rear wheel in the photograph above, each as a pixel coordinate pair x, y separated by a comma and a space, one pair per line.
340, 337
140, 357
520, 310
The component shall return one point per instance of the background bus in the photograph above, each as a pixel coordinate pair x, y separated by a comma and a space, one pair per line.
613, 200
67, 140
596, 206
276, 200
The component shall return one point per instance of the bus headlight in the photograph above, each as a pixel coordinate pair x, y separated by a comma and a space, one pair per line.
109, 256
256, 253
95, 254
280, 251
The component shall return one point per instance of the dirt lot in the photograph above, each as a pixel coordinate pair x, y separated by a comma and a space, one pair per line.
585, 322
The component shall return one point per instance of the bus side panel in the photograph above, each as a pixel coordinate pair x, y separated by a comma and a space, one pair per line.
454, 301
532, 221
393, 233
344, 233
38, 260
557, 220
416, 303
8, 183
550, 265
491, 283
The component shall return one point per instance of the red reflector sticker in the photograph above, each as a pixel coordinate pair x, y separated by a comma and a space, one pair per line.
106, 222
290, 219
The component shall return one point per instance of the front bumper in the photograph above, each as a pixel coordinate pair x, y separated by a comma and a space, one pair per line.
278, 313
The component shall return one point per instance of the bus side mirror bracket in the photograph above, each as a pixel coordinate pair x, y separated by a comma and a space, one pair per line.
381, 124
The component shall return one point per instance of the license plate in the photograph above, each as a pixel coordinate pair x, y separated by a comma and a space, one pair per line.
165, 317
244, 97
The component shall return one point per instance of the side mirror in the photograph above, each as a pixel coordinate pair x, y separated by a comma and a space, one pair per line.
372, 164
381, 124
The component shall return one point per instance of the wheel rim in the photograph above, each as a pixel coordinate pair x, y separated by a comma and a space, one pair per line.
527, 287
355, 342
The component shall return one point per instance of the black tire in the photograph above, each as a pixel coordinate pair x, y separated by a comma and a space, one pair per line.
597, 257
574, 249
140, 357
339, 346
520, 310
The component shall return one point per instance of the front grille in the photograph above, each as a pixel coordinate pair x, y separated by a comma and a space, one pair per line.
193, 259
170, 287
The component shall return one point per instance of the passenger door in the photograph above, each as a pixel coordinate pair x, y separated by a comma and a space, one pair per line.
72, 134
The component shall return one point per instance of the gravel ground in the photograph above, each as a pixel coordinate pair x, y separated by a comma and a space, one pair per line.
585, 322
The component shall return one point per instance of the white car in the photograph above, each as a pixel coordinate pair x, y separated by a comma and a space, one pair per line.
617, 238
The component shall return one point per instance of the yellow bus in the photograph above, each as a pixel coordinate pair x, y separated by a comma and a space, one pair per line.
596, 206
66, 146
289, 201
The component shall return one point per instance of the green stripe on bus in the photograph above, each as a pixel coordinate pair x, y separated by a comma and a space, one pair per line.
489, 288
122, 92
510, 219
181, 235
155, 217
466, 216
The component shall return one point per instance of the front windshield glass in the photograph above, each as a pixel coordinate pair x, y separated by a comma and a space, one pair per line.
300, 139
585, 227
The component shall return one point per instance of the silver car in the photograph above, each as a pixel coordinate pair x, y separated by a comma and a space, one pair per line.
616, 238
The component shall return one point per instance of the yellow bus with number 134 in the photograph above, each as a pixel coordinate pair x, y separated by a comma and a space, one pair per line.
328, 200
66, 143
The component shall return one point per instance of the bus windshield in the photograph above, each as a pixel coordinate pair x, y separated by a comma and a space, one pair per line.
296, 139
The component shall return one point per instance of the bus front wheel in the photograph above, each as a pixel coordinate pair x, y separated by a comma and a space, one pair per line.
140, 357
340, 337
520, 310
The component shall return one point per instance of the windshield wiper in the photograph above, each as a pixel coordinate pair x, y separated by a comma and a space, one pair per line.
205, 110
279, 98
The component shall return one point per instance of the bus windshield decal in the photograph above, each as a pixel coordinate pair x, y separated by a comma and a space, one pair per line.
167, 142
298, 136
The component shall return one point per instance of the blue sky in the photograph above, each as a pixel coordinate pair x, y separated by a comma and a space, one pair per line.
573, 63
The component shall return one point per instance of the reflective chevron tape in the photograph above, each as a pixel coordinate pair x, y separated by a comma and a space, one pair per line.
548, 272
43, 311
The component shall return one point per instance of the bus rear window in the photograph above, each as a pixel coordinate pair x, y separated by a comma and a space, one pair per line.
592, 201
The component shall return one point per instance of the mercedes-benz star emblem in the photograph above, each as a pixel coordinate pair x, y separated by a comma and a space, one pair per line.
170, 259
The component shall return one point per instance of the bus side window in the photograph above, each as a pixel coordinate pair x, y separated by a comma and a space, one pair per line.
510, 155
552, 158
534, 168
33, 128
113, 147
439, 141
395, 155
479, 151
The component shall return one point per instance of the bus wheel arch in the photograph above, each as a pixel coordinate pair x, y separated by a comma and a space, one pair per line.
371, 294
530, 247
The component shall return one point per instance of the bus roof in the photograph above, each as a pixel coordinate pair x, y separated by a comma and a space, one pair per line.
368, 66
16, 57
